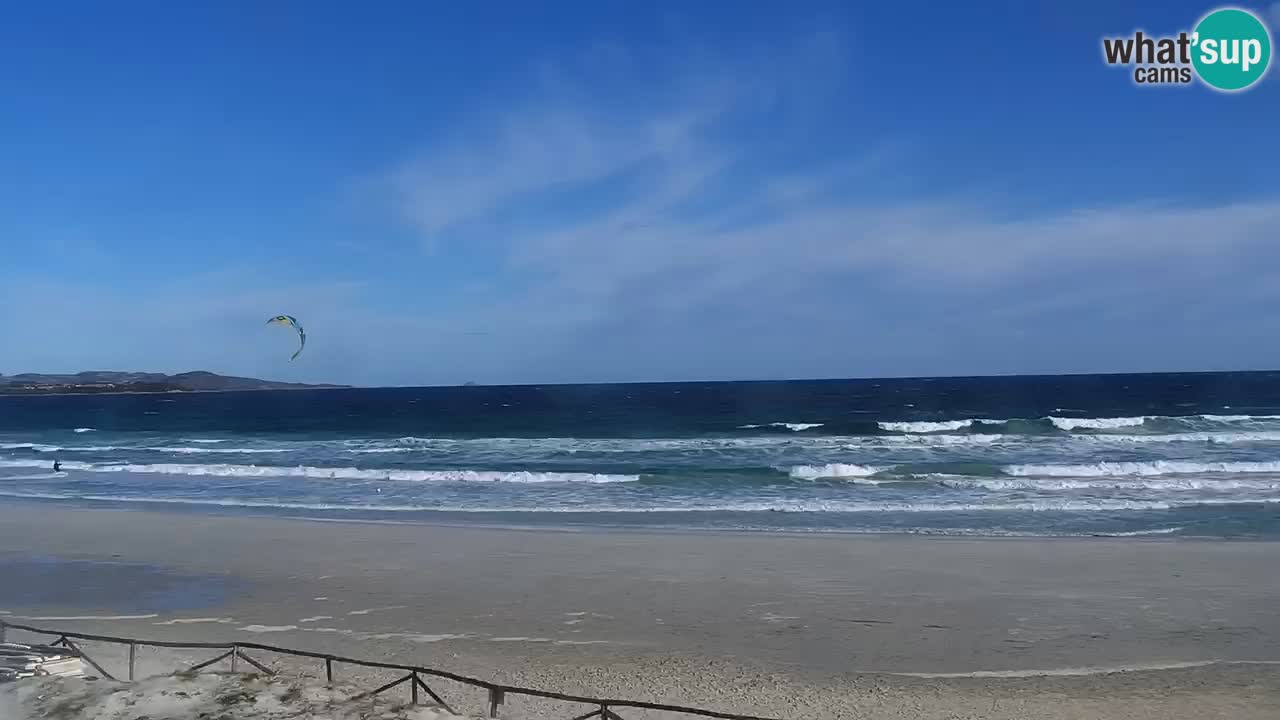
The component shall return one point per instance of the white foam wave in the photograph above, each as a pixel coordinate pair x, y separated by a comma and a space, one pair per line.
37, 447
923, 435
85, 430
793, 427
603, 445
86, 617
798, 506
1070, 424
1224, 438
833, 470
1110, 483
343, 473
1151, 467
413, 441
40, 447
1087, 671
925, 427
941, 440
210, 451
1140, 533
268, 628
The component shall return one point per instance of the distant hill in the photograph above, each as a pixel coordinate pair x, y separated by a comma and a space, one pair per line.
106, 381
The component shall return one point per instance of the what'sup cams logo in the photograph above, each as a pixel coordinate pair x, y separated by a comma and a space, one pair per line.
1229, 50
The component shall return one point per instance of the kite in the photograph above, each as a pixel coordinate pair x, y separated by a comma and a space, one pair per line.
292, 322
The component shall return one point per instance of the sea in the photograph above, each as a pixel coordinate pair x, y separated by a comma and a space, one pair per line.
1193, 454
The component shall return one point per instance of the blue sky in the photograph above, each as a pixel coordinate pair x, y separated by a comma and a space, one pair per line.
608, 191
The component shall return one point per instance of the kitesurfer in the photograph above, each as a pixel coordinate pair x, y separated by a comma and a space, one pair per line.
292, 322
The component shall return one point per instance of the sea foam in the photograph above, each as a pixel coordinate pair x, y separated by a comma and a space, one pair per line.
340, 473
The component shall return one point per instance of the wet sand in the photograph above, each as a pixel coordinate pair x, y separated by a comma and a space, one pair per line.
790, 626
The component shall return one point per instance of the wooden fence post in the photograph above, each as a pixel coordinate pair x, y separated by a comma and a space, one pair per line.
496, 698
133, 649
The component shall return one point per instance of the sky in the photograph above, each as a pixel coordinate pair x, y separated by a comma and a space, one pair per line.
614, 191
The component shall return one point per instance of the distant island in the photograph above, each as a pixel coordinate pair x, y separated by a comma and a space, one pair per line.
103, 381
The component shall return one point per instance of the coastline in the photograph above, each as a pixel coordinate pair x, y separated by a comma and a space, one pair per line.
785, 625
178, 392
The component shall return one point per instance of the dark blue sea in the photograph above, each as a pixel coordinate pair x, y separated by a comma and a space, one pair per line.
1126, 455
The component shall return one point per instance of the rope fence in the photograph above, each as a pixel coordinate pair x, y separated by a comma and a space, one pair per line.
235, 653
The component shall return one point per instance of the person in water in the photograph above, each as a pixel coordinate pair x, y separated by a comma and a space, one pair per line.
57, 466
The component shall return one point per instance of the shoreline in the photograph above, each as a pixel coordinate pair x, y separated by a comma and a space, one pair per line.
179, 509
264, 512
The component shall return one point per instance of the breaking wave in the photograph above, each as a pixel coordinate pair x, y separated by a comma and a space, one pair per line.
800, 506
1084, 425
342, 473
1151, 467
932, 471
793, 427
926, 426
1167, 483
1070, 424
833, 470
43, 448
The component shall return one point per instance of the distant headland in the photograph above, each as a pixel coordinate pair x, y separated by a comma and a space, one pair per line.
104, 381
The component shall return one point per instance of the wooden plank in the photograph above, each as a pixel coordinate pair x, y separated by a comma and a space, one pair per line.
439, 700
384, 688
255, 663
88, 659
207, 663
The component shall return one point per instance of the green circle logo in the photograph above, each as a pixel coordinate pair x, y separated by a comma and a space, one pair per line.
1231, 49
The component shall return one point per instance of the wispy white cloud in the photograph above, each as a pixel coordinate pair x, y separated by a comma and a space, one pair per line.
669, 225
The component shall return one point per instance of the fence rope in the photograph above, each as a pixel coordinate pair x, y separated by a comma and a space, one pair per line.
496, 690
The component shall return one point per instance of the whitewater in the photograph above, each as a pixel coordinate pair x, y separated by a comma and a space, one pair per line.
844, 459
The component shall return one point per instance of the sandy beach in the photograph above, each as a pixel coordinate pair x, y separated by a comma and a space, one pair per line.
819, 626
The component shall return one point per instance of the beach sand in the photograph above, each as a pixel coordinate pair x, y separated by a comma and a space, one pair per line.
199, 696
799, 626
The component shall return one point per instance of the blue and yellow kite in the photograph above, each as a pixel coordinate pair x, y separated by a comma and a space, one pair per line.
293, 322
